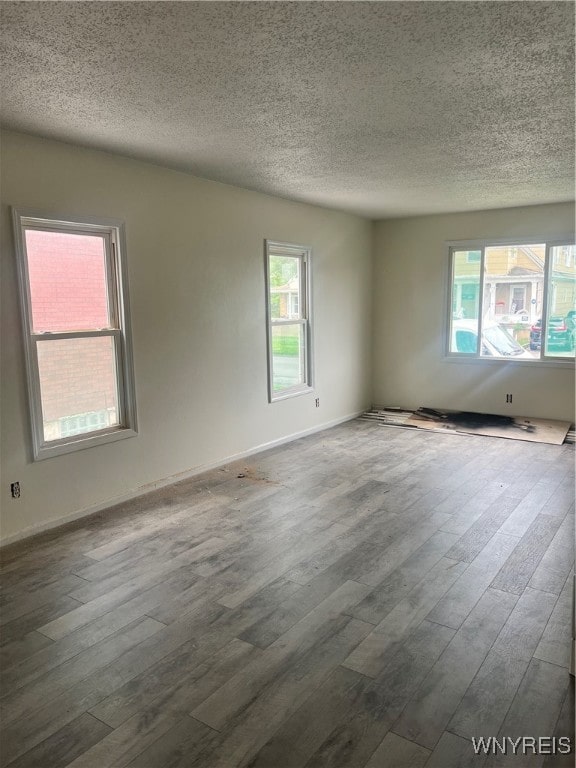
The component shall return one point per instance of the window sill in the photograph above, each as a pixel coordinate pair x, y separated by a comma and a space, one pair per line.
568, 363
80, 442
288, 393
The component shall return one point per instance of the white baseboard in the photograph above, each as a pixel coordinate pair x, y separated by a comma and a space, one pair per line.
163, 482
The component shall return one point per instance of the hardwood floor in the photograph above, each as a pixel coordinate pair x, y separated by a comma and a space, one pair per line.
367, 597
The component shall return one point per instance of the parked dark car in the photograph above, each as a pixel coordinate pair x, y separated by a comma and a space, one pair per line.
561, 332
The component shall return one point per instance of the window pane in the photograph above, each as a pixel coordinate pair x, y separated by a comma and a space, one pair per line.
561, 313
288, 356
512, 300
285, 288
465, 301
466, 341
68, 286
77, 386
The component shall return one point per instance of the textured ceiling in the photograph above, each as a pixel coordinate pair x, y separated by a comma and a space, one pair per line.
381, 108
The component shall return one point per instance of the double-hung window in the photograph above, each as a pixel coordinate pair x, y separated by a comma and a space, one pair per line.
513, 300
74, 296
288, 311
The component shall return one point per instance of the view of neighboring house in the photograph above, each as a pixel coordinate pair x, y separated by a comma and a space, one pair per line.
514, 281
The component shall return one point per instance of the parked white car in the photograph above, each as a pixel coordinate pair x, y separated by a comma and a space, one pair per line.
521, 317
496, 341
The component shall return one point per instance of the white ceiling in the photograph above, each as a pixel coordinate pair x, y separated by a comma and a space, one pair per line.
380, 108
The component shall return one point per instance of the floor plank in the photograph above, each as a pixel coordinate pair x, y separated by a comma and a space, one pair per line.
377, 703
522, 632
558, 560
407, 614
554, 645
534, 711
381, 600
18, 709
520, 566
65, 745
396, 752
454, 752
51, 610
242, 688
427, 714
483, 708
565, 730
453, 608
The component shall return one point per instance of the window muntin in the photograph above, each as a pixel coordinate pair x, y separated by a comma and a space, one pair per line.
500, 301
75, 312
288, 308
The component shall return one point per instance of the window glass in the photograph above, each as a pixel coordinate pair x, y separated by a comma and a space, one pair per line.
561, 310
498, 342
288, 357
77, 376
285, 279
465, 302
466, 341
68, 284
513, 294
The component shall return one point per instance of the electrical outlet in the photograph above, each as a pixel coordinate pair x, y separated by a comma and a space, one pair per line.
317, 402
509, 398
15, 490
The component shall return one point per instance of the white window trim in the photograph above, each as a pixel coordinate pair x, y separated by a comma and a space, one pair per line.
305, 254
549, 361
117, 275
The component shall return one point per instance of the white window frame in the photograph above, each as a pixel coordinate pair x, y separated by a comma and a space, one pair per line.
481, 245
112, 232
304, 254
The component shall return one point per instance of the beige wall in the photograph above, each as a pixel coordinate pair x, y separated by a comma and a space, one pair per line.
410, 299
196, 267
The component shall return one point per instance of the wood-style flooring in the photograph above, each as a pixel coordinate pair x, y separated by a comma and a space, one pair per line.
366, 597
